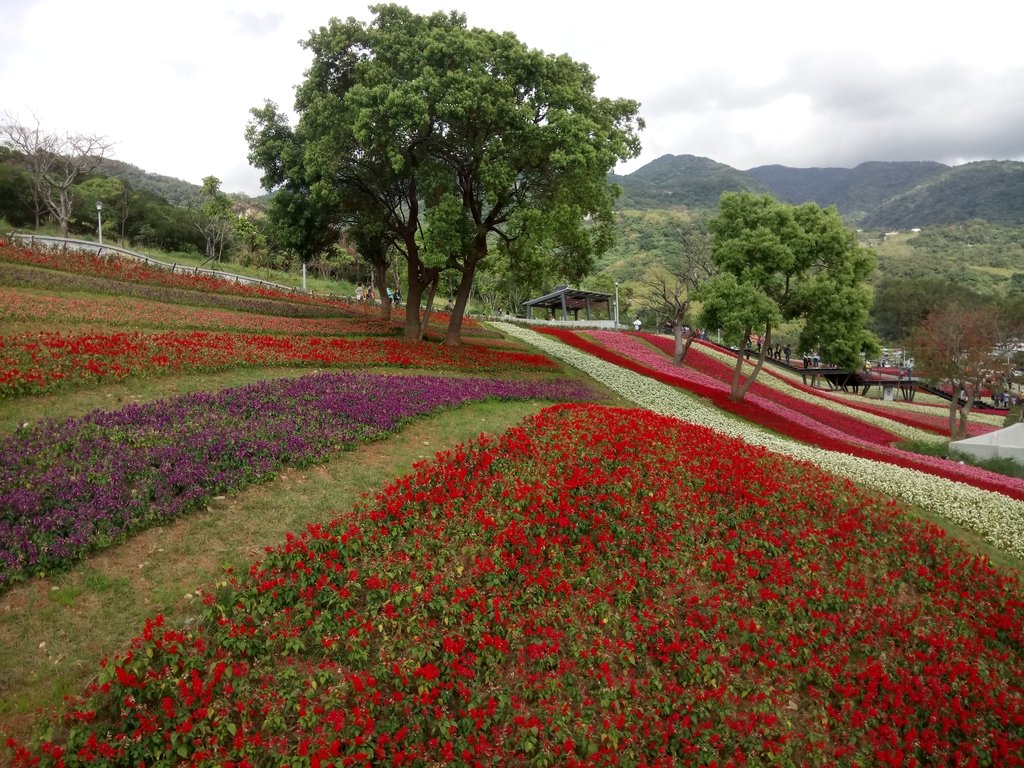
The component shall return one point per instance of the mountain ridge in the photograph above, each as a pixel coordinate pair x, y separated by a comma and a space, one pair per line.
873, 194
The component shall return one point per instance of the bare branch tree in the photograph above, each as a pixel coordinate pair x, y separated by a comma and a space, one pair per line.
669, 287
962, 347
56, 162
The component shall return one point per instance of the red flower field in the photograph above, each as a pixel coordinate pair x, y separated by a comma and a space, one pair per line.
36, 363
598, 587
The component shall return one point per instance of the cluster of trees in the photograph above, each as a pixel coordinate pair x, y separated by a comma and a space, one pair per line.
60, 180
447, 148
755, 265
981, 257
49, 178
758, 265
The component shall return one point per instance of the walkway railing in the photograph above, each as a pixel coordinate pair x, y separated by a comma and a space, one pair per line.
67, 244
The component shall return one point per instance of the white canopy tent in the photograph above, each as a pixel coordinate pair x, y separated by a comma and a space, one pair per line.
1005, 443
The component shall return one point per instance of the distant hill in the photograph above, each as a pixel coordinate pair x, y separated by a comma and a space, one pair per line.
887, 195
855, 192
175, 191
873, 195
674, 181
991, 191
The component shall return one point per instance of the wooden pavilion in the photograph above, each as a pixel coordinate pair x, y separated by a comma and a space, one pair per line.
564, 300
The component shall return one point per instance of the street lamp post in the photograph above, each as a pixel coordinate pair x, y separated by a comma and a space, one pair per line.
99, 219
616, 305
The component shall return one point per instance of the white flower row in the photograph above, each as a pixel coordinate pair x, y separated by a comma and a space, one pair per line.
996, 517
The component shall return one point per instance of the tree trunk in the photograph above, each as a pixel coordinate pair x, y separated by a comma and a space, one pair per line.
431, 291
738, 368
63, 212
380, 280
454, 336
739, 390
421, 277
413, 298
954, 394
677, 351
689, 343
959, 414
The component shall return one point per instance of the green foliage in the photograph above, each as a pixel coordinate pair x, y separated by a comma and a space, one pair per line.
736, 307
992, 190
1001, 466
456, 139
1014, 416
174, 191
647, 238
778, 262
980, 258
15, 194
855, 192
902, 303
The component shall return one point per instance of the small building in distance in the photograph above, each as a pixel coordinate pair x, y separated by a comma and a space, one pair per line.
564, 300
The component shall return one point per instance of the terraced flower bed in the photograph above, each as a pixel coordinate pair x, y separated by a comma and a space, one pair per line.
69, 488
803, 421
922, 419
35, 363
975, 499
597, 587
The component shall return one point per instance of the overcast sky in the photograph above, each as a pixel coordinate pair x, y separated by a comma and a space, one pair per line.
746, 83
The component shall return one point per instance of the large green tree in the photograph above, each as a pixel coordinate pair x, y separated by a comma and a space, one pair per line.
15, 190
461, 141
302, 221
779, 263
213, 217
902, 303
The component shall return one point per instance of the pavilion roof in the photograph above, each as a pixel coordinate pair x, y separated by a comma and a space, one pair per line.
574, 298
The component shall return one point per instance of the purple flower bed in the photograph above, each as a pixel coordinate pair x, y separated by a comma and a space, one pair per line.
70, 488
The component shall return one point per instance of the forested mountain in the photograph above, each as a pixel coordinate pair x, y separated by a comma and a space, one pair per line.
645, 238
991, 191
175, 191
688, 181
887, 195
853, 191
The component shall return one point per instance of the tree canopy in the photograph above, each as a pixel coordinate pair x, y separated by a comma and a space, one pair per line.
459, 142
779, 263
967, 347
666, 288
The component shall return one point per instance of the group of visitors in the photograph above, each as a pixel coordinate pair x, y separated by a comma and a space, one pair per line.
780, 351
1004, 399
812, 359
777, 351
367, 294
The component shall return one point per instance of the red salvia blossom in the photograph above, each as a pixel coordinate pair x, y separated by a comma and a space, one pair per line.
598, 586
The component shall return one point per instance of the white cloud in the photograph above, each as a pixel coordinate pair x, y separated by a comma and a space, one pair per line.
745, 83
